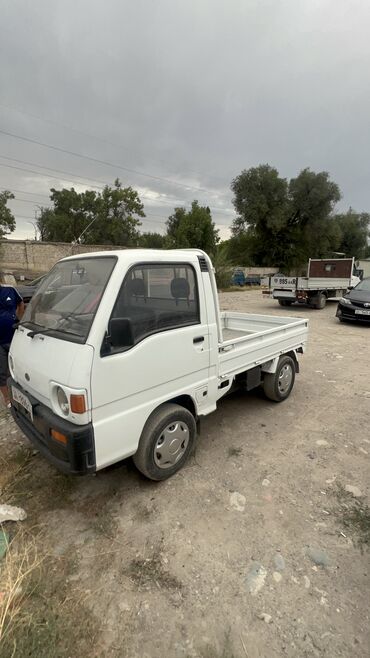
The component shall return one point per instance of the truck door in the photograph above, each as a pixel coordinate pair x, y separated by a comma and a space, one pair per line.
168, 354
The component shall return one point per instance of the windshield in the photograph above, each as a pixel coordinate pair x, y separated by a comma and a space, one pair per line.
363, 285
69, 296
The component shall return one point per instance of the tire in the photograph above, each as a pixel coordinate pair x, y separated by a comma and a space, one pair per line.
319, 301
170, 426
285, 302
277, 386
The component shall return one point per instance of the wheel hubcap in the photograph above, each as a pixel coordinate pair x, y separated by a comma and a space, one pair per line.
285, 378
171, 444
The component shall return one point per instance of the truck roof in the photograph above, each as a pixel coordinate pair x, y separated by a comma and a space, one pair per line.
142, 254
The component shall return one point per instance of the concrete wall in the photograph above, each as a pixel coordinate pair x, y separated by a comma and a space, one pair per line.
28, 256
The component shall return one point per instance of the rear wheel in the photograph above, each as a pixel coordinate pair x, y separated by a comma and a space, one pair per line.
319, 301
278, 385
166, 442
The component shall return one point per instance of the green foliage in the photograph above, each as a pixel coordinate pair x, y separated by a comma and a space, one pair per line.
280, 223
192, 229
355, 231
223, 267
312, 231
7, 221
109, 217
152, 241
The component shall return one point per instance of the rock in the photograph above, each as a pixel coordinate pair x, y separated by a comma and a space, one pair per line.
318, 557
256, 578
307, 582
355, 491
277, 576
312, 455
10, 513
265, 482
265, 617
237, 501
364, 452
322, 442
279, 562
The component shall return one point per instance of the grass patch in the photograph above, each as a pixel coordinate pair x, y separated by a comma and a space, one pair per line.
38, 610
354, 516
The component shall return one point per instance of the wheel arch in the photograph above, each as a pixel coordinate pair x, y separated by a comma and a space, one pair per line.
184, 401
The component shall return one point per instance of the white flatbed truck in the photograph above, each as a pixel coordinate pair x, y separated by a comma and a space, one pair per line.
120, 353
326, 279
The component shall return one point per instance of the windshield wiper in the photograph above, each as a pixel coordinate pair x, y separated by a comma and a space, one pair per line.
49, 330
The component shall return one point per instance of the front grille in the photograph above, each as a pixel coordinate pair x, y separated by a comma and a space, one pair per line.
360, 304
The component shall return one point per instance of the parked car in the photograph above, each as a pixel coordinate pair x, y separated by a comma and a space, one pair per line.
27, 290
355, 305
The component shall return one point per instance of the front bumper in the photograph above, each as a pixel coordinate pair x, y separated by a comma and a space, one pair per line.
348, 312
76, 457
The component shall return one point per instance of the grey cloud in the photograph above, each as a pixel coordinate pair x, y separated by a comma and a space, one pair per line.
192, 92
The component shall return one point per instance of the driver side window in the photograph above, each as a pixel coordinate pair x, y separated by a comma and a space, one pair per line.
157, 297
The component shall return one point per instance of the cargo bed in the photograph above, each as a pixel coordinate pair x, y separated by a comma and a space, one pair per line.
250, 340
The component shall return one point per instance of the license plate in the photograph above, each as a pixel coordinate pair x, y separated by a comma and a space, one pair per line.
284, 281
23, 400
361, 312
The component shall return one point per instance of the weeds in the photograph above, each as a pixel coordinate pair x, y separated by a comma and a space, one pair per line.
38, 609
354, 515
18, 568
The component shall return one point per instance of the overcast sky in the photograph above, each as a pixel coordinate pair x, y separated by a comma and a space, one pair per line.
185, 94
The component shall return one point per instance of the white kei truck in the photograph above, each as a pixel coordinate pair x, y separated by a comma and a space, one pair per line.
120, 353
327, 278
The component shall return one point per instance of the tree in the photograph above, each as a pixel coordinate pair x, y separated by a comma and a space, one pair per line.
192, 229
312, 230
109, 217
262, 206
283, 224
117, 209
72, 213
7, 220
152, 241
354, 233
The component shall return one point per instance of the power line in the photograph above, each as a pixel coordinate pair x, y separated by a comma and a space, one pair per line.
47, 196
149, 214
81, 132
79, 182
103, 162
142, 220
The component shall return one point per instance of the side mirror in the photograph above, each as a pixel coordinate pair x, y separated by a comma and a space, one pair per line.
120, 332
350, 287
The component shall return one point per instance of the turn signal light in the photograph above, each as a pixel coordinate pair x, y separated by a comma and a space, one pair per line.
58, 436
78, 404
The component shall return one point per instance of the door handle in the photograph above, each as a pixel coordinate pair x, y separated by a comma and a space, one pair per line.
198, 339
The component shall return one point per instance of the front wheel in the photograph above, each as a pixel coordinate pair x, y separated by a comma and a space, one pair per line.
166, 442
277, 386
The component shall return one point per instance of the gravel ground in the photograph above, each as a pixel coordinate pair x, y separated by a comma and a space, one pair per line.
244, 553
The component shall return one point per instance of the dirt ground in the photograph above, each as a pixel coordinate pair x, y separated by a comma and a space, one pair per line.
252, 551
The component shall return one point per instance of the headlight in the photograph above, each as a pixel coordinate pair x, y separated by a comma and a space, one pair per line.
345, 300
62, 401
